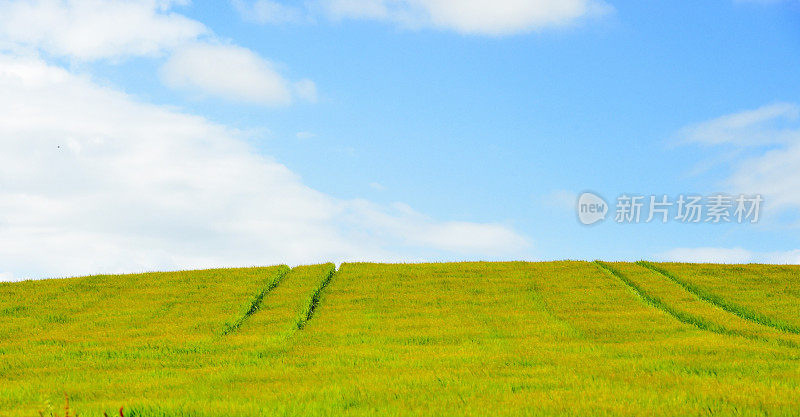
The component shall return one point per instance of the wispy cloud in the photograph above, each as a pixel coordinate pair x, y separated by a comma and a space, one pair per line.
564, 200
233, 73
97, 29
774, 123
478, 17
770, 135
198, 61
269, 12
303, 135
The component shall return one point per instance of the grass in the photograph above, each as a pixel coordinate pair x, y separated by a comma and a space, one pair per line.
313, 301
255, 303
689, 307
648, 295
766, 294
556, 338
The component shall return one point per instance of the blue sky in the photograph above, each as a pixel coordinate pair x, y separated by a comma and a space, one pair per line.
260, 132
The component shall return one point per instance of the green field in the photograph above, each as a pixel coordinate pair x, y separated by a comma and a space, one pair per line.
553, 338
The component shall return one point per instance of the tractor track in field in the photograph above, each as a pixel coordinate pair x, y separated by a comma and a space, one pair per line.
719, 302
659, 304
255, 302
684, 317
307, 312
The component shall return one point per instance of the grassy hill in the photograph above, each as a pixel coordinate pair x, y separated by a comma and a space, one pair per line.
555, 338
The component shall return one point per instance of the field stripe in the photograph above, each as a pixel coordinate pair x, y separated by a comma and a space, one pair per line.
718, 301
255, 302
307, 312
659, 304
691, 318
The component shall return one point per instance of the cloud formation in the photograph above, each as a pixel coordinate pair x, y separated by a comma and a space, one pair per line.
770, 137
94, 181
769, 124
113, 30
96, 29
765, 143
480, 17
232, 73
268, 12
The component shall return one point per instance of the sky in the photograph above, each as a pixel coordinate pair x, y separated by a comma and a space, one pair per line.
150, 135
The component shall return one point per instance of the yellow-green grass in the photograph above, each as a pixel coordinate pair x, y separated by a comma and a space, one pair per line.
558, 338
96, 335
768, 294
521, 338
283, 311
666, 294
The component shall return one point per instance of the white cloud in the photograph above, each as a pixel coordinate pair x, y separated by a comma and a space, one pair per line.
7, 277
483, 17
306, 90
268, 11
364, 9
414, 229
90, 30
303, 135
773, 174
234, 73
762, 147
92, 181
562, 199
770, 135
729, 256
762, 126
503, 17
96, 29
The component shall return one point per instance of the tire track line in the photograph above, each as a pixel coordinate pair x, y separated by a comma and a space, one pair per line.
688, 318
308, 309
661, 305
255, 302
719, 302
